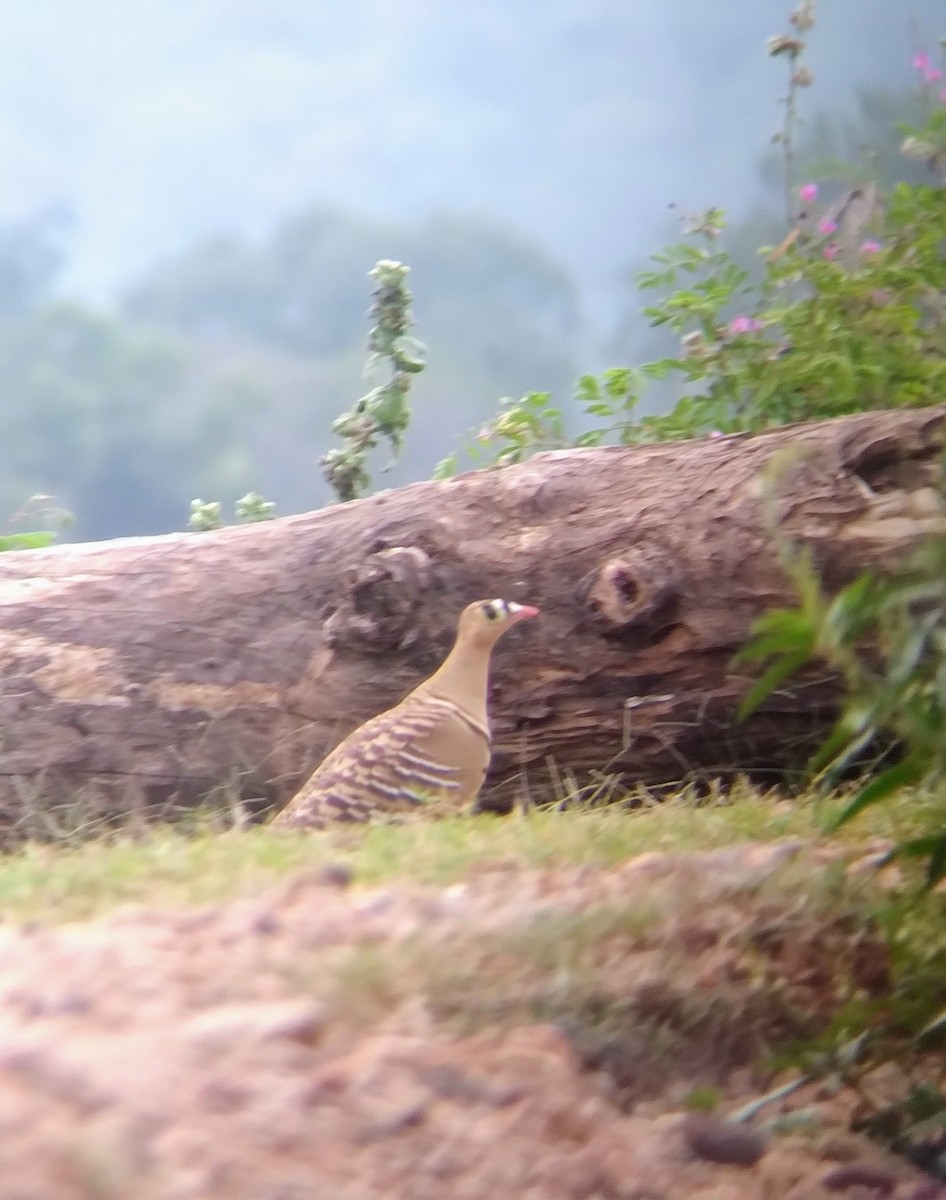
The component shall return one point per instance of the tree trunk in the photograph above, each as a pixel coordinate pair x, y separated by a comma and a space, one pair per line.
156, 671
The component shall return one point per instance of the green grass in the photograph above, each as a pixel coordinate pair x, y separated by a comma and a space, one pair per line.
171, 866
780, 962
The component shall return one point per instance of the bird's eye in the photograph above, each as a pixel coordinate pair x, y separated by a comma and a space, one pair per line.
494, 609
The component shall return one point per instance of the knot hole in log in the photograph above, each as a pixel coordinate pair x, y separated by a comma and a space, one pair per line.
634, 597
378, 611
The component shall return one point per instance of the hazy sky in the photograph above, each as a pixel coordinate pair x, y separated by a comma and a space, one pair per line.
159, 121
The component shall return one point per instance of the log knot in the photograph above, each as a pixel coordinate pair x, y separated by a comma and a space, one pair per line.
383, 595
638, 590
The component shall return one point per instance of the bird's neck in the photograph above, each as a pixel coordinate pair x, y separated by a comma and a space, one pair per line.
463, 679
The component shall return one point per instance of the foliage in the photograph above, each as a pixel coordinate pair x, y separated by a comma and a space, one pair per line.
115, 419
896, 1034
38, 508
72, 865
228, 382
845, 315
886, 637
845, 319
253, 508
205, 516
249, 509
524, 427
37, 539
382, 412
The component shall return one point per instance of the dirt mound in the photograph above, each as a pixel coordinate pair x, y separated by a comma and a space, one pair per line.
528, 1034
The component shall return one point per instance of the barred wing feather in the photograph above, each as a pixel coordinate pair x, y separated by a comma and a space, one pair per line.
426, 748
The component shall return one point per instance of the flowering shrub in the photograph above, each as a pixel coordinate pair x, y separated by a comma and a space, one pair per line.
891, 287
847, 316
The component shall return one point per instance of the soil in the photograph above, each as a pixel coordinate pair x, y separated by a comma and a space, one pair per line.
519, 1035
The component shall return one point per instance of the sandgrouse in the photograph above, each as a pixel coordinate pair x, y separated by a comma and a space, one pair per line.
434, 745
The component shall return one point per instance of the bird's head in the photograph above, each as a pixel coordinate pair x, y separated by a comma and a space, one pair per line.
485, 621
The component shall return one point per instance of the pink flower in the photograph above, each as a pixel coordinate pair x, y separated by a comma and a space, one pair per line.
870, 246
921, 62
745, 325
831, 250
827, 226
932, 75
808, 192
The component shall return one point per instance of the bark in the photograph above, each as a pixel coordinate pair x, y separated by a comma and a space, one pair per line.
157, 671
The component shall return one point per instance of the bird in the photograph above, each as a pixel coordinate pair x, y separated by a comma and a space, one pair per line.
433, 745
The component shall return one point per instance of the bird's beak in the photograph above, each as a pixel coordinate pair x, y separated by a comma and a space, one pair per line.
522, 612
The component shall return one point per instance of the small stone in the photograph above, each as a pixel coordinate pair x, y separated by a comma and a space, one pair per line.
927, 1191
453, 1084
327, 1086
264, 922
52, 1005
841, 1148
441, 1163
408, 1117
506, 1094
859, 1175
723, 1141
223, 1096
295, 1021
335, 874
450, 1083
930, 1191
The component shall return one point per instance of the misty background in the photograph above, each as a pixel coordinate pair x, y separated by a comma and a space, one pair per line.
195, 190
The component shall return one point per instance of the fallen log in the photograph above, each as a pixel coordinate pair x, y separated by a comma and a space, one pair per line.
154, 672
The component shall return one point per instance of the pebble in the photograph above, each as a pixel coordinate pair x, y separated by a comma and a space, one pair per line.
859, 1175
722, 1141
296, 1021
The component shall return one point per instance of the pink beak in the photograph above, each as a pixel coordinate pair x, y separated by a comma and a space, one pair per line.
524, 611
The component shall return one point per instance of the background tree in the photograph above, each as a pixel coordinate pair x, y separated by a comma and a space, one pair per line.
225, 367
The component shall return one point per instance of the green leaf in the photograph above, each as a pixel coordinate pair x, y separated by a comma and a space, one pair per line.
914, 648
936, 867
937, 1025
618, 382
846, 613
446, 468
899, 776
769, 681
918, 847
922, 1131
851, 735
779, 631
37, 539
587, 389
660, 368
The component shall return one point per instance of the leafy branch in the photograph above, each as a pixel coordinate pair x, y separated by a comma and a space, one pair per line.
383, 412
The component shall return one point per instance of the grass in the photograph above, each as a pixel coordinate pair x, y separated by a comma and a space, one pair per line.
174, 865
683, 977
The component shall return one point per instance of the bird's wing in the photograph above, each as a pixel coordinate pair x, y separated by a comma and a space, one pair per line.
426, 748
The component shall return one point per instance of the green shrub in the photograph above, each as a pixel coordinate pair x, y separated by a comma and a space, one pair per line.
886, 638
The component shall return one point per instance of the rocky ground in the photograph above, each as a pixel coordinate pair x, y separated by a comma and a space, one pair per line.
530, 1034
